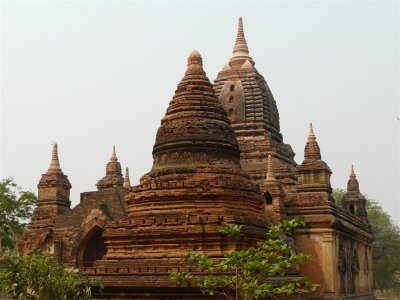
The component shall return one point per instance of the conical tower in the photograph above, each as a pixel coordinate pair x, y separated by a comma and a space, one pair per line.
314, 174
353, 201
54, 167
53, 201
113, 176
127, 182
254, 116
311, 150
53, 194
195, 130
240, 50
196, 184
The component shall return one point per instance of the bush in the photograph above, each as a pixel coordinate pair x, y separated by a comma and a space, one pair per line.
37, 276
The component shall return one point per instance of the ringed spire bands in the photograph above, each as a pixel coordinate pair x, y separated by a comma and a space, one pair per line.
196, 182
113, 176
53, 194
241, 50
352, 183
252, 111
54, 167
311, 150
195, 129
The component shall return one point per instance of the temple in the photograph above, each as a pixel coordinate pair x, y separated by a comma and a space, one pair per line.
74, 236
219, 159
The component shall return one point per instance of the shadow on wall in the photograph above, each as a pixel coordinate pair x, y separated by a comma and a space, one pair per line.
92, 248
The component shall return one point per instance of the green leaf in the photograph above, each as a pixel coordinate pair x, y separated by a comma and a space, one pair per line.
247, 271
37, 276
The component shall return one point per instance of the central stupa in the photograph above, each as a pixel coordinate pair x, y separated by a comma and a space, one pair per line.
196, 186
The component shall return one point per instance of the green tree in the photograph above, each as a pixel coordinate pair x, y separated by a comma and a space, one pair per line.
245, 272
385, 247
15, 210
338, 195
36, 276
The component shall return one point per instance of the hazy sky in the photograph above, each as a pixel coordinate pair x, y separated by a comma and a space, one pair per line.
93, 74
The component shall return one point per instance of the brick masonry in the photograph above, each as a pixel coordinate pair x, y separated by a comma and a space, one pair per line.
219, 158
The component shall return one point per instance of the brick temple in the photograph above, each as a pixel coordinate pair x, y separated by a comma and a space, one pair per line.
219, 158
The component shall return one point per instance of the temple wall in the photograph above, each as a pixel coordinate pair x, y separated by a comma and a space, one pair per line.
365, 276
321, 269
340, 264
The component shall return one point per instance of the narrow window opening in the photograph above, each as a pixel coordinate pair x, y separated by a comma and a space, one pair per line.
95, 248
232, 88
230, 99
268, 198
351, 208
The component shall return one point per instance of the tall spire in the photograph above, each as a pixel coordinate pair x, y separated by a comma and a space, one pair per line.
113, 156
55, 164
311, 134
352, 174
314, 174
252, 111
312, 151
53, 195
352, 183
270, 170
113, 167
127, 182
241, 50
353, 201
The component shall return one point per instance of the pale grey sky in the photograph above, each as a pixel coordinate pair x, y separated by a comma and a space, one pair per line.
94, 74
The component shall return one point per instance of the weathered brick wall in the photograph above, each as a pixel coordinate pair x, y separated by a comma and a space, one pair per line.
95, 209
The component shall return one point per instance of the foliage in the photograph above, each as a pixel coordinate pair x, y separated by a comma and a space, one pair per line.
15, 209
37, 276
338, 196
385, 247
245, 272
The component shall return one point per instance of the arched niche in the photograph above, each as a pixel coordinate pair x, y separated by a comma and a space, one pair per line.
268, 198
92, 248
352, 209
48, 244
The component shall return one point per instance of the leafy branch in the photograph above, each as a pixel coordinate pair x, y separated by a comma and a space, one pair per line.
248, 273
37, 276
